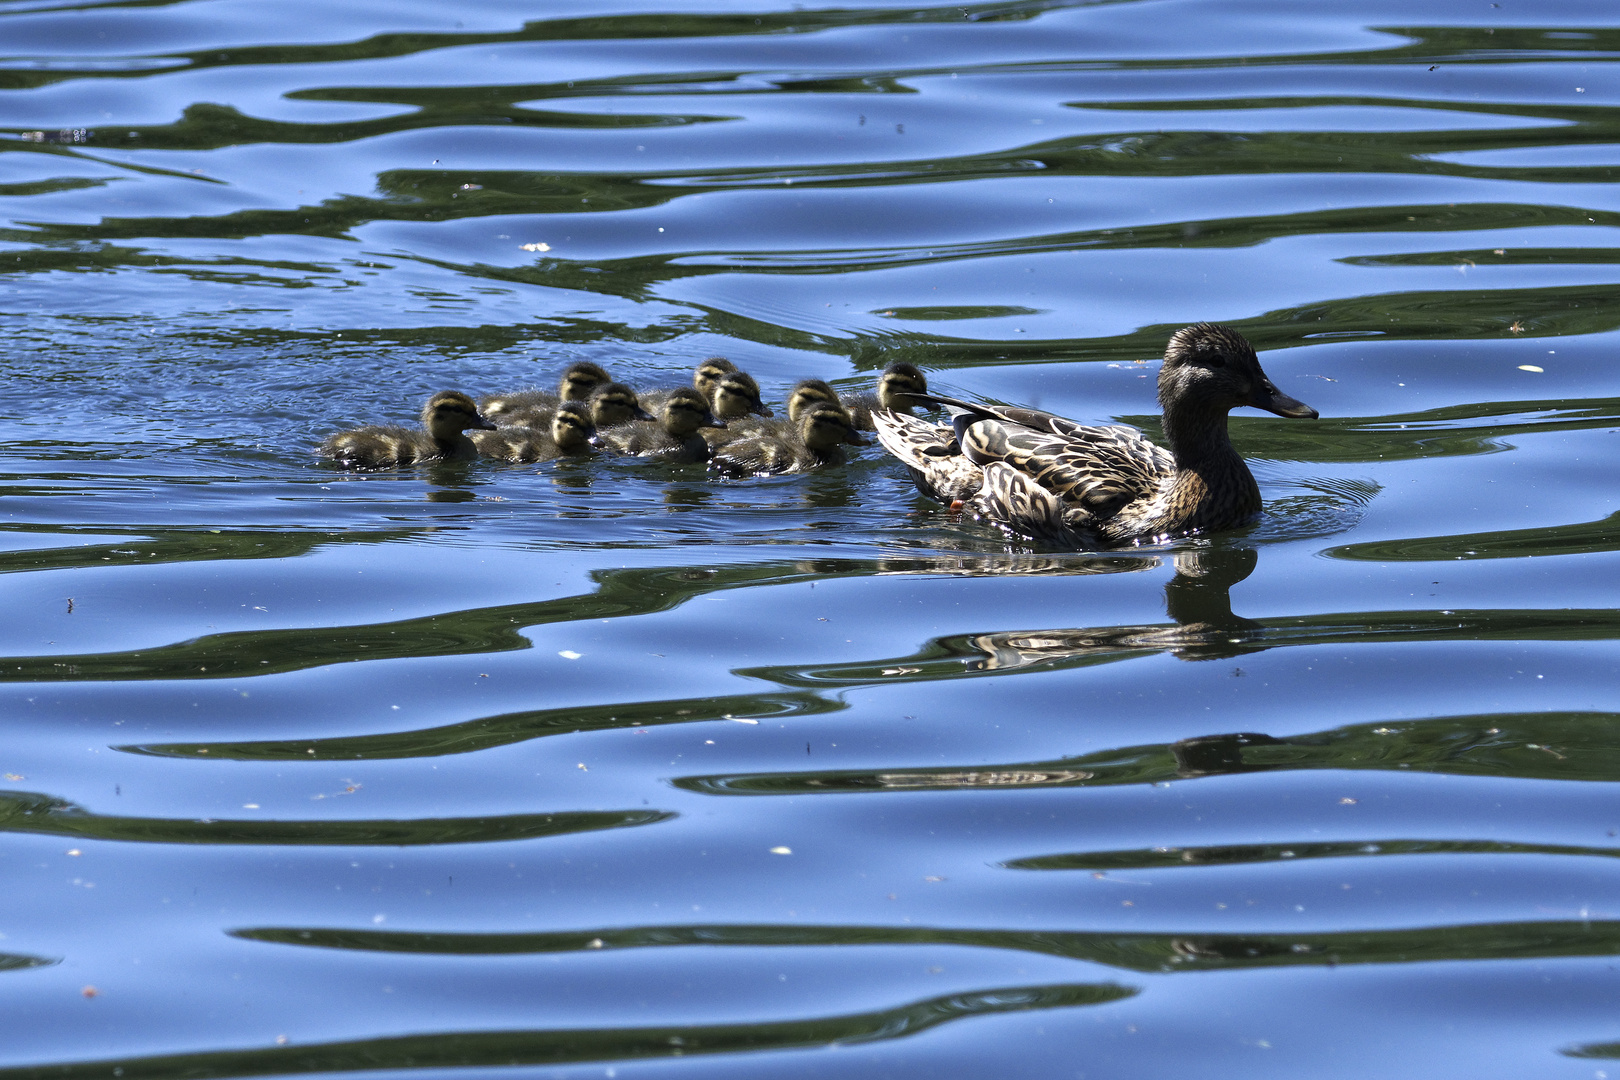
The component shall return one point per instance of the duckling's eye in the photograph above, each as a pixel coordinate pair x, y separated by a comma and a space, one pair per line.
1215, 360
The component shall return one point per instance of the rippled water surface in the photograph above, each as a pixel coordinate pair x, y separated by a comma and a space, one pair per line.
615, 769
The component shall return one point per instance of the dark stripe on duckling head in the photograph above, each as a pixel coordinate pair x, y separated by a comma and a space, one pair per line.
898, 383
806, 395
452, 406
825, 427
572, 427
580, 380
685, 412
736, 395
710, 372
615, 404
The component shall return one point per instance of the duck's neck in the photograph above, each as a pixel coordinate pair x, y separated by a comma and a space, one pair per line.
1207, 461
1198, 437
454, 444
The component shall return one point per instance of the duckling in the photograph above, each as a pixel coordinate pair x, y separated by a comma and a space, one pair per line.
896, 390
381, 446
805, 395
576, 384
616, 404
818, 439
1079, 486
704, 378
736, 395
571, 432
675, 437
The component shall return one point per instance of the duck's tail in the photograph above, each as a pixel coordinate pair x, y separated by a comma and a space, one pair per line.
932, 454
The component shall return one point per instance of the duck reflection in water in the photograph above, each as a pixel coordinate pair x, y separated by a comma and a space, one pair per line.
1198, 598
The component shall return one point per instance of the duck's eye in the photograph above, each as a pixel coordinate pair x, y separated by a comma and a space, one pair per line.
1215, 360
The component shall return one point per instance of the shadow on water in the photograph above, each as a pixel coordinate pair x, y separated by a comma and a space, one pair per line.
1148, 953
25, 812
500, 1049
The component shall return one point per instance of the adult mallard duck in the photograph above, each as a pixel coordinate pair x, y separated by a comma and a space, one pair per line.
384, 446
897, 389
674, 437
1081, 486
818, 439
570, 432
576, 384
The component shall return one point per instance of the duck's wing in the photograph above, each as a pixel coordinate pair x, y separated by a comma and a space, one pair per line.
1019, 502
931, 452
1098, 468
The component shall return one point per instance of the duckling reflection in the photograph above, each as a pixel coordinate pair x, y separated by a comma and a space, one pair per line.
1198, 598
440, 438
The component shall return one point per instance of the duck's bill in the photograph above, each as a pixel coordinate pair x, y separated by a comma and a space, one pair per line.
1273, 400
855, 438
712, 421
643, 414
484, 425
762, 410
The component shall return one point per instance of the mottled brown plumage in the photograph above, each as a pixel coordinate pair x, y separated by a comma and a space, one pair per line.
383, 446
1081, 485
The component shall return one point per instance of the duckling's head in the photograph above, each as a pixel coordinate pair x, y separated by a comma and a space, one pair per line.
708, 373
736, 395
581, 380
807, 394
685, 412
571, 427
1210, 368
616, 403
896, 385
824, 427
451, 412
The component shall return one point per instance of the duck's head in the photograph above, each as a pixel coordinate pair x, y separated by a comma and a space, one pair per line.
736, 395
896, 385
616, 403
709, 373
1212, 368
451, 412
571, 427
685, 412
824, 427
806, 395
581, 380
